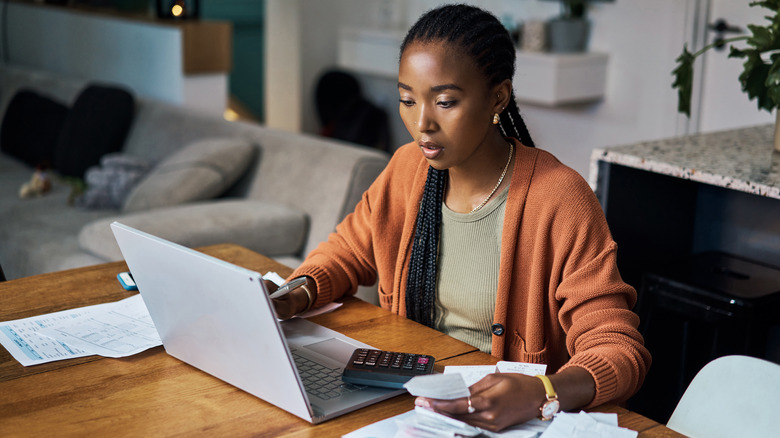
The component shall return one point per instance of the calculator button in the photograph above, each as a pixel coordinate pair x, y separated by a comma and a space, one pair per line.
373, 357
360, 357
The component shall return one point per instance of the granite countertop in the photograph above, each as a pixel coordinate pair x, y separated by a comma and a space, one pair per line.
740, 159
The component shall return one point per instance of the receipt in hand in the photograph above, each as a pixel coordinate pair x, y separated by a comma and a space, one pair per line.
439, 386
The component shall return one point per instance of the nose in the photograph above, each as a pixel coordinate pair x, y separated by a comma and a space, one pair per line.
425, 119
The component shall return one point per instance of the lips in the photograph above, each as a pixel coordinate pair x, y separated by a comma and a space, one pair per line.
430, 150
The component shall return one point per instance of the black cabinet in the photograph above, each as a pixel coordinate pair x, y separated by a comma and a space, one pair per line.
710, 305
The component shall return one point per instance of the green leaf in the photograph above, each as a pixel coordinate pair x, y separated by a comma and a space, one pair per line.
683, 81
761, 38
772, 82
773, 5
754, 79
736, 53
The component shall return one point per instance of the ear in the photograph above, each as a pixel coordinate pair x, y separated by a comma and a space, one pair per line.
502, 92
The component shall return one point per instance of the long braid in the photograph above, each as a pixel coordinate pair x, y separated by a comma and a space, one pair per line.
421, 284
481, 37
511, 117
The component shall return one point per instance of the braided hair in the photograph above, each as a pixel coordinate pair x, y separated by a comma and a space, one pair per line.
478, 34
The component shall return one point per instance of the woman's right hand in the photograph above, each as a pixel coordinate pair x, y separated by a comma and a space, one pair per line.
290, 304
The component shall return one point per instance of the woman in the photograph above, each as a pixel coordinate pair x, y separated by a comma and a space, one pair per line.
473, 231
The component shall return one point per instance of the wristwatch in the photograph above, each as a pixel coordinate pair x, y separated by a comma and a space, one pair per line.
552, 405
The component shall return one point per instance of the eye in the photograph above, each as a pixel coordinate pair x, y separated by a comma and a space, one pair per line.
447, 103
407, 102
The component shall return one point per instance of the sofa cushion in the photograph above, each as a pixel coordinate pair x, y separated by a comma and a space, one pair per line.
31, 127
96, 125
203, 170
266, 227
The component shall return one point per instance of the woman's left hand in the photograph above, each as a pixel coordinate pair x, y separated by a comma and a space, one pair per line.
504, 399
499, 400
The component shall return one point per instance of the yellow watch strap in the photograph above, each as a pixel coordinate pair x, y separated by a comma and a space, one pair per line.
548, 386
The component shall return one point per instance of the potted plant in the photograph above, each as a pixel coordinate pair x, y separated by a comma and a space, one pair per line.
760, 77
569, 32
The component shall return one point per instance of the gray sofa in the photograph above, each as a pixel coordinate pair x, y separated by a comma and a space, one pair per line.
294, 191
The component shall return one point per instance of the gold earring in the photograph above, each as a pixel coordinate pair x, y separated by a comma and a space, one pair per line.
495, 119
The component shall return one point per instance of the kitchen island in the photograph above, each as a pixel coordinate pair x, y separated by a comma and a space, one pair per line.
667, 199
670, 204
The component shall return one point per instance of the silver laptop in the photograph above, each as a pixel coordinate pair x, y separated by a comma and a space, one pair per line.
217, 317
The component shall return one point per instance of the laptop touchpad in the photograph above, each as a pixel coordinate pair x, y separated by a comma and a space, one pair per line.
333, 348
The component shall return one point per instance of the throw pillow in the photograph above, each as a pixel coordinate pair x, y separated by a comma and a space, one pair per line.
202, 170
96, 125
109, 184
31, 127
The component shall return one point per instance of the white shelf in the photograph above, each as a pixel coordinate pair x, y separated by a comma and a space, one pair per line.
370, 51
540, 78
553, 79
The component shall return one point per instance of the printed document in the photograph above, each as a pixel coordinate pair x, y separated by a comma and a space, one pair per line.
113, 329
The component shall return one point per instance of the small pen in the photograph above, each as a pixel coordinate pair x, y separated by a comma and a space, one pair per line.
287, 287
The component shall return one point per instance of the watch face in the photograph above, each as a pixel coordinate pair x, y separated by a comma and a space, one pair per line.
550, 408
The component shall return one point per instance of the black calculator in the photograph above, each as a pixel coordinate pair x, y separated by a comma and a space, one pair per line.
386, 369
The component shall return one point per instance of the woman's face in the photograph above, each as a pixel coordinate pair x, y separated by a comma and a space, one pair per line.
445, 103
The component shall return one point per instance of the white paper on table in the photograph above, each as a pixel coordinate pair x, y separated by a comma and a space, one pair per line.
21, 338
426, 423
320, 310
531, 369
386, 428
587, 425
115, 329
423, 423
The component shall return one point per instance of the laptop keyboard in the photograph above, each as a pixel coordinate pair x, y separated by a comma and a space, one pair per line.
322, 381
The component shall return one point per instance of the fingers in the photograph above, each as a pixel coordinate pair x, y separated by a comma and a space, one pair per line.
456, 407
291, 304
270, 286
281, 305
484, 383
284, 309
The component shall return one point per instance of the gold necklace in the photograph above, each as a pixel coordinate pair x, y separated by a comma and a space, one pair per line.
501, 178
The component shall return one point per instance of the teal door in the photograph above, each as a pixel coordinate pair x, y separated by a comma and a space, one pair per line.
246, 78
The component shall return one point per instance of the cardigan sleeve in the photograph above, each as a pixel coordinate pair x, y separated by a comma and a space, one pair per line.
595, 304
601, 328
365, 244
345, 260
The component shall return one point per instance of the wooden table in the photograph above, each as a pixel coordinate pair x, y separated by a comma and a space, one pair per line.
154, 394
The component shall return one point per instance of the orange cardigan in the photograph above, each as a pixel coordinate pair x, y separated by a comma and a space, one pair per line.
561, 300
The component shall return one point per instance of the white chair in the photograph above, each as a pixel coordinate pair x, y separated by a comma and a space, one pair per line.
732, 396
